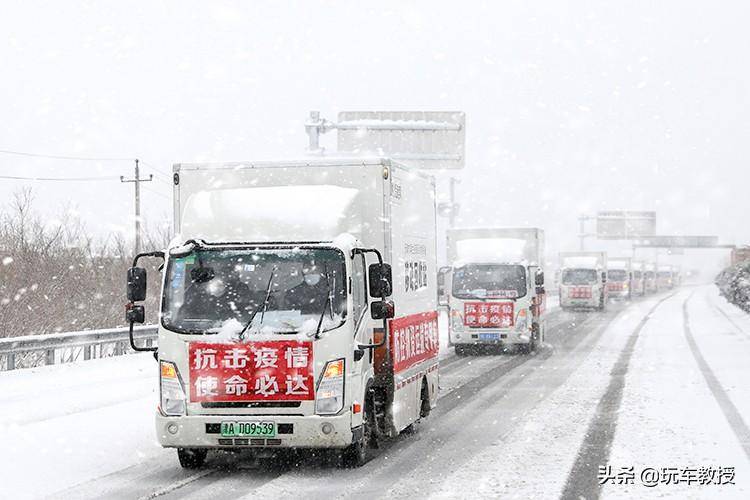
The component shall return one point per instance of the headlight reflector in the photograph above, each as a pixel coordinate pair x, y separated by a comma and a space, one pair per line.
172, 393
329, 398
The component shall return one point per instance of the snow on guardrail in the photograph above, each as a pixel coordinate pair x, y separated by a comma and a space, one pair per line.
38, 350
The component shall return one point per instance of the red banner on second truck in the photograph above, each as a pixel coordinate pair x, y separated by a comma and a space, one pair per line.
488, 314
255, 371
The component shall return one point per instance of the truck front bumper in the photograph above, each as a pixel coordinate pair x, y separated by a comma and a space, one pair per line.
490, 337
582, 303
203, 431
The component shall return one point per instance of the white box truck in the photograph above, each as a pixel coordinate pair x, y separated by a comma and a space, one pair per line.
649, 278
639, 278
495, 288
620, 278
665, 277
299, 306
583, 280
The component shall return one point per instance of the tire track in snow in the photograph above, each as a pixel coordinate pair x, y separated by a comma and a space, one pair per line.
733, 416
594, 451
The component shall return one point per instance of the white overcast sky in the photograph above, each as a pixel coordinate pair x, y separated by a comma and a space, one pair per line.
571, 106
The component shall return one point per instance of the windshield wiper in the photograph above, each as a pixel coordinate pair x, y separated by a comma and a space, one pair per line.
261, 307
327, 305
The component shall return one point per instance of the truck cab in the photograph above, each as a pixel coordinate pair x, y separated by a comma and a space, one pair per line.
496, 295
620, 278
639, 279
665, 277
649, 278
583, 280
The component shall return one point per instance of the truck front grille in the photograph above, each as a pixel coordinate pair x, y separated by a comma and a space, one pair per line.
253, 404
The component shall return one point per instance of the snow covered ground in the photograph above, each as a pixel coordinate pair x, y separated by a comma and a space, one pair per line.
65, 424
622, 389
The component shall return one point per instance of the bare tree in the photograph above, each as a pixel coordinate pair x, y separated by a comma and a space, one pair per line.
57, 277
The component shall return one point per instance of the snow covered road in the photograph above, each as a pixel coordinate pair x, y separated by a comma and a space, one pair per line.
657, 383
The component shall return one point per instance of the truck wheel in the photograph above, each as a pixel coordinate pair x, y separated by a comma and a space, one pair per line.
192, 458
461, 350
424, 407
356, 454
535, 333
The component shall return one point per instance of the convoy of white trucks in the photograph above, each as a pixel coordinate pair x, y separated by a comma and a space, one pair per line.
300, 300
495, 288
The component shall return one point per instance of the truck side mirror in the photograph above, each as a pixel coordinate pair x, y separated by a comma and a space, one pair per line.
382, 309
135, 313
380, 279
136, 284
604, 276
441, 285
539, 278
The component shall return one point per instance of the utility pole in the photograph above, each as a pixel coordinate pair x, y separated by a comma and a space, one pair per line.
137, 181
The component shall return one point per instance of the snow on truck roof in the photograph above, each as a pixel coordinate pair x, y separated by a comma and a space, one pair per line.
492, 250
272, 213
586, 262
618, 264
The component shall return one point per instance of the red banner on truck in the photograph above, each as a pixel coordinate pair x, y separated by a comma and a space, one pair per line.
414, 338
488, 314
253, 371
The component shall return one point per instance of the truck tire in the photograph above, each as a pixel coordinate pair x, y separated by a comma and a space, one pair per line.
424, 403
356, 454
461, 350
192, 458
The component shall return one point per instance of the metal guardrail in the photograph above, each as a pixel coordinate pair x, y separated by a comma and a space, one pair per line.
39, 350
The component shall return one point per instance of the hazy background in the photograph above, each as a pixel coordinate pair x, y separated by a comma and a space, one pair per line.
571, 106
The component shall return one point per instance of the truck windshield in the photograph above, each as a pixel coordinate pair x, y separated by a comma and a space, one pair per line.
617, 275
478, 281
579, 277
212, 291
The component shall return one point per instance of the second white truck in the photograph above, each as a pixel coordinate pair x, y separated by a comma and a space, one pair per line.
495, 288
583, 280
620, 278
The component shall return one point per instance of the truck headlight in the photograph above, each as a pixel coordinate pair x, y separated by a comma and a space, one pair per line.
329, 398
457, 322
522, 321
172, 393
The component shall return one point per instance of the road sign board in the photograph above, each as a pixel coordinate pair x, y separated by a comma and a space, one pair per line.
423, 139
680, 242
625, 224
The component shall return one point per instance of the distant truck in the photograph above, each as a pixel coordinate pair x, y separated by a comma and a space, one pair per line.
740, 254
283, 324
665, 277
495, 288
583, 280
620, 278
639, 279
649, 278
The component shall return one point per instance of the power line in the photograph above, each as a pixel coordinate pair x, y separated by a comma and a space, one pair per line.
153, 167
59, 179
61, 157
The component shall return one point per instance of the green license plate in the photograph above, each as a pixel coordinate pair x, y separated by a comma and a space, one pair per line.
248, 429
